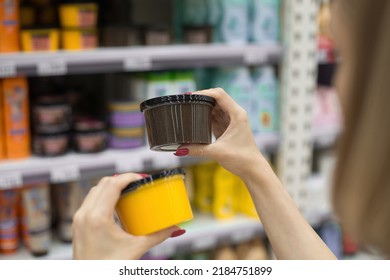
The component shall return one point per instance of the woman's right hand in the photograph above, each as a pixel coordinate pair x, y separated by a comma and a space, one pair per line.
235, 148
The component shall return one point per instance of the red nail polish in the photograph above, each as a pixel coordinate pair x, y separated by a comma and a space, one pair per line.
115, 175
143, 175
178, 233
182, 152
188, 92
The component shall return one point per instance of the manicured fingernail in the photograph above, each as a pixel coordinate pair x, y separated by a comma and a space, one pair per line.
188, 92
115, 175
178, 233
143, 175
182, 152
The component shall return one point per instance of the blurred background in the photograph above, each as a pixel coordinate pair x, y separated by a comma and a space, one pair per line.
72, 76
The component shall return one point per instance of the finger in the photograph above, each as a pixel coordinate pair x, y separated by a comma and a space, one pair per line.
224, 100
153, 239
109, 191
198, 150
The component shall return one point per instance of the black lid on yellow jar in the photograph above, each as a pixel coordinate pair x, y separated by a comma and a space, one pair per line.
179, 98
163, 174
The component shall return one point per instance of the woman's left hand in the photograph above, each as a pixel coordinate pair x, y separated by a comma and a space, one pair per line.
95, 233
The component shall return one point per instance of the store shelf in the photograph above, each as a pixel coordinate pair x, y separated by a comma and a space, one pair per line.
75, 166
104, 60
203, 233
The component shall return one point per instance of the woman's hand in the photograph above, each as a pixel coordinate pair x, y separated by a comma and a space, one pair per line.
235, 148
95, 233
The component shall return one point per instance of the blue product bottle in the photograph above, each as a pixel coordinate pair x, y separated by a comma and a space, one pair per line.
265, 105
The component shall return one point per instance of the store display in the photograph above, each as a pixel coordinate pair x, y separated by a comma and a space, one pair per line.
224, 193
27, 16
67, 205
9, 26
9, 238
118, 36
51, 114
127, 125
264, 113
177, 119
167, 205
79, 39
78, 15
233, 26
197, 34
2, 132
40, 40
159, 84
203, 180
50, 144
183, 81
16, 116
156, 35
89, 136
264, 21
35, 209
225, 252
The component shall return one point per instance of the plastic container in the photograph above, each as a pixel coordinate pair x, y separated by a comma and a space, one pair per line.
16, 117
89, 136
125, 115
79, 39
40, 40
53, 144
154, 203
9, 26
51, 114
78, 15
178, 119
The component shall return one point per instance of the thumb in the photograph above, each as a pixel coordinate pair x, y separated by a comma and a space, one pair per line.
156, 238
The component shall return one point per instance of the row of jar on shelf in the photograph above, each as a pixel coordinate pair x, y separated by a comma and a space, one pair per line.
60, 120
32, 212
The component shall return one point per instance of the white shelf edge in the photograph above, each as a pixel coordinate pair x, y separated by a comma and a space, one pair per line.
102, 60
133, 158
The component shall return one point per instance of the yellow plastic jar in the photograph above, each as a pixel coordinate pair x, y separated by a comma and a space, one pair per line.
79, 39
40, 40
154, 203
78, 15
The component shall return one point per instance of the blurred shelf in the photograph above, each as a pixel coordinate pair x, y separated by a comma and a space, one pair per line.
325, 136
58, 251
203, 233
127, 59
72, 166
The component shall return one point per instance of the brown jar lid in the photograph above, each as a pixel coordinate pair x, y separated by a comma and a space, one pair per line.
134, 185
179, 98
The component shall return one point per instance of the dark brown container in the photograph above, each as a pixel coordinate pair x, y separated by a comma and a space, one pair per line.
178, 119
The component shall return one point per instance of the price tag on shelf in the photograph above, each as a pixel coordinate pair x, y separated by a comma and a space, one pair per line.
137, 64
254, 58
7, 69
52, 68
62, 174
11, 180
134, 164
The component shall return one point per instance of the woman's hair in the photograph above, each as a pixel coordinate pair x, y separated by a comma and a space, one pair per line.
361, 191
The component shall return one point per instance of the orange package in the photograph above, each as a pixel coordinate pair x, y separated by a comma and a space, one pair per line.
2, 135
16, 116
9, 238
9, 26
